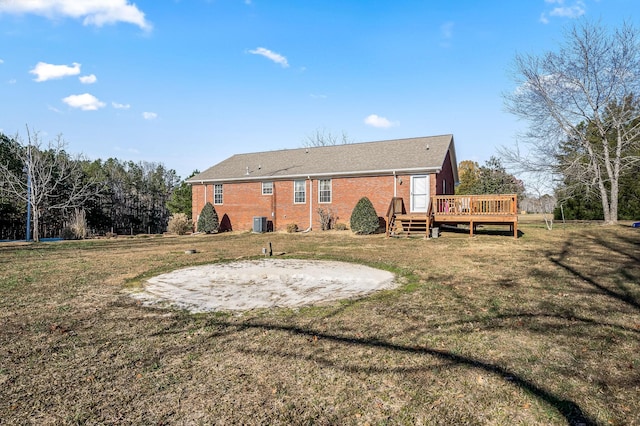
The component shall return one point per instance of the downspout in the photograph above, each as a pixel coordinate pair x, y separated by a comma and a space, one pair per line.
205, 192
310, 205
395, 185
273, 207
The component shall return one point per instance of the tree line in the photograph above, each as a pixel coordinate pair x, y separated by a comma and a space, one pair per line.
59, 190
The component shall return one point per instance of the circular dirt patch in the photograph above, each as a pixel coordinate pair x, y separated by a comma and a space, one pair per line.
267, 283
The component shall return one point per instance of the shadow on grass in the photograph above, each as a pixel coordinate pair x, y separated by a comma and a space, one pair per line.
480, 230
568, 409
621, 293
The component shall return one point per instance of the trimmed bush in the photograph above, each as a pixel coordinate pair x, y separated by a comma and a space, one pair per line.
364, 219
180, 224
208, 221
292, 227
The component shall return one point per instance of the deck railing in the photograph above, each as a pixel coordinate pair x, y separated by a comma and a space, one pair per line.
475, 205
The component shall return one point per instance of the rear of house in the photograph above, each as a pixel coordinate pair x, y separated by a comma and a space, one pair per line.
290, 186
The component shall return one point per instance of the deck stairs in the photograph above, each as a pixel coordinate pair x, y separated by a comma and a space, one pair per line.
403, 224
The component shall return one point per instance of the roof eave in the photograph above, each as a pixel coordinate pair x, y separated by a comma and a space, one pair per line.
387, 172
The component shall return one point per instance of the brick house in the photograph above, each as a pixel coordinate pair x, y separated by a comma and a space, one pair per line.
289, 186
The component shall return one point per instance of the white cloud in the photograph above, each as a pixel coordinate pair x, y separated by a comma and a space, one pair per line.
120, 106
563, 10
44, 71
88, 79
275, 57
94, 12
575, 11
1, 61
380, 122
85, 102
149, 115
13, 81
314, 96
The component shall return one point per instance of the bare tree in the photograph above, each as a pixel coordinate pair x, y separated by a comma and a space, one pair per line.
50, 179
581, 95
323, 137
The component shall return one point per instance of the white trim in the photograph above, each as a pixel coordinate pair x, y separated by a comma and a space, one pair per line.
305, 191
333, 175
422, 196
330, 191
221, 193
267, 193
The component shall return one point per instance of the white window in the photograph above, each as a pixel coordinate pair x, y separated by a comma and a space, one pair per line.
444, 186
324, 190
267, 188
217, 193
299, 191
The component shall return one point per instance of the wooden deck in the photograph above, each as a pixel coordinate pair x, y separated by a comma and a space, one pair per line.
472, 210
490, 209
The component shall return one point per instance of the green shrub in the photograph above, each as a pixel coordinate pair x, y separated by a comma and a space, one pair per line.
208, 221
292, 227
341, 226
364, 219
180, 224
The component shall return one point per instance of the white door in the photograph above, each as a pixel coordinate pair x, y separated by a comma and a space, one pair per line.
419, 194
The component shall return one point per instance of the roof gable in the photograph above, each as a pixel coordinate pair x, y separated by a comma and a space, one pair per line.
414, 155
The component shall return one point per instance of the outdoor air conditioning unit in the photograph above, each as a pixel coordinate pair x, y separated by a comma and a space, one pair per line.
259, 224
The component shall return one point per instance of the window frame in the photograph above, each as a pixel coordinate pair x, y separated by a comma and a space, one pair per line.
218, 194
297, 192
270, 187
325, 191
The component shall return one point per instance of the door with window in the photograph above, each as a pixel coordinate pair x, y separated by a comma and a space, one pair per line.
419, 193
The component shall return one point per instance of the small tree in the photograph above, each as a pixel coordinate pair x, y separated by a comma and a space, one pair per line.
364, 219
327, 219
492, 178
180, 224
208, 221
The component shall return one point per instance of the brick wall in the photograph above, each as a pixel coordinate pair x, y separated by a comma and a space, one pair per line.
446, 174
243, 201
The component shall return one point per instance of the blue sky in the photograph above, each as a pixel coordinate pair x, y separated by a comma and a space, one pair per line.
191, 82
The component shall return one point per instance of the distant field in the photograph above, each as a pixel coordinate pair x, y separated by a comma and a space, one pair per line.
542, 330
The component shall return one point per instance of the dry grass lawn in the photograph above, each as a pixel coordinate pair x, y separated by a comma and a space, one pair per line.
485, 330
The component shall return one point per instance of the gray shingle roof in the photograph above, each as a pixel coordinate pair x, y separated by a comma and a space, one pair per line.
413, 155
